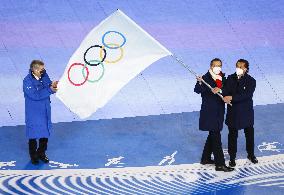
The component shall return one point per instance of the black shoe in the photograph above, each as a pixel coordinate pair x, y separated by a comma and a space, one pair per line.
224, 168
34, 161
44, 158
209, 162
232, 163
253, 159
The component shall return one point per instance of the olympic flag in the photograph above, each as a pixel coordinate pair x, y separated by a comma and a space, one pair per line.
112, 54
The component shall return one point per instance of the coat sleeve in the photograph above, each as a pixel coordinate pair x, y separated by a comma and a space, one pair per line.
34, 93
48, 81
201, 88
248, 94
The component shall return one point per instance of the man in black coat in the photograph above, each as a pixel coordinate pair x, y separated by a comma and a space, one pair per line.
239, 91
212, 115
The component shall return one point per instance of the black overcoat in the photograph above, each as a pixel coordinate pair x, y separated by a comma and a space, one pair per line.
212, 107
241, 114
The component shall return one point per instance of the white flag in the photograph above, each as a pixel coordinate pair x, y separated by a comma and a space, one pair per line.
112, 54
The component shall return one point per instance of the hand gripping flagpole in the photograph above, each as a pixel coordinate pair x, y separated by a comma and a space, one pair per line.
196, 75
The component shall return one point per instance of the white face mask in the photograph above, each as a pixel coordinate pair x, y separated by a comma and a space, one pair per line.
239, 71
217, 70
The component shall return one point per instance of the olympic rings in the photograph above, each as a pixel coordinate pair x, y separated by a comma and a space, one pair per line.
103, 58
100, 77
86, 78
113, 61
113, 31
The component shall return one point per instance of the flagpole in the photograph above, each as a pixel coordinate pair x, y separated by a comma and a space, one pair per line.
195, 74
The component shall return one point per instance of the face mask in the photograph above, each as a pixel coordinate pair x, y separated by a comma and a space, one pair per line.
239, 71
42, 72
217, 70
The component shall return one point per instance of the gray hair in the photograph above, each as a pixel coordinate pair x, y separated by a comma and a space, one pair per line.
36, 63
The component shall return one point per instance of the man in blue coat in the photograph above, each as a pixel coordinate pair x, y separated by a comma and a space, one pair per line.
37, 88
212, 115
239, 91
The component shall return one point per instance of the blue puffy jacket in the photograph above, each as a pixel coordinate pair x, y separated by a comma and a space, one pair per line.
37, 106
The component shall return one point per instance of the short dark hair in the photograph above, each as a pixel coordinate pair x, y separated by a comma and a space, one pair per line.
214, 60
245, 62
36, 62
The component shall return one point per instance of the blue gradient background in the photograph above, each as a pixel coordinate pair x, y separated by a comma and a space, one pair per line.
196, 31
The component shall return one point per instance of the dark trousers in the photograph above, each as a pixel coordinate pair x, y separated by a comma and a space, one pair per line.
37, 151
214, 145
232, 141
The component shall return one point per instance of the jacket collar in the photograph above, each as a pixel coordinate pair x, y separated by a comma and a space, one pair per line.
34, 77
210, 79
242, 77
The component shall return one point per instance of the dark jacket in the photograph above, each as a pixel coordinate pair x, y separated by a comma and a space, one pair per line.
212, 107
37, 106
241, 114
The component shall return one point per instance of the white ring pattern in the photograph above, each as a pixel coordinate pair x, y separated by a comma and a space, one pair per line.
173, 179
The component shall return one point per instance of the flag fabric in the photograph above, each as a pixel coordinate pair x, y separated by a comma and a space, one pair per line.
112, 54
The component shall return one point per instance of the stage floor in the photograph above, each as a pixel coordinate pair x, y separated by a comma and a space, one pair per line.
142, 155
